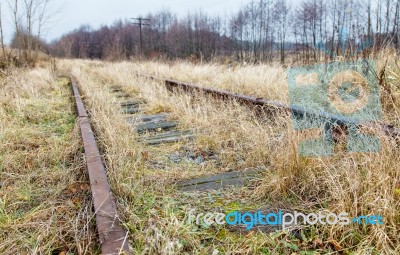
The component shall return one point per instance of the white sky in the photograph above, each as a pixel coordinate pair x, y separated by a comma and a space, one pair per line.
70, 14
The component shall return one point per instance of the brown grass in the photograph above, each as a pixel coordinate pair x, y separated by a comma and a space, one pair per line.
154, 212
45, 204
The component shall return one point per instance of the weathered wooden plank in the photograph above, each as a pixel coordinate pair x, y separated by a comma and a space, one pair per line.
246, 174
115, 89
164, 125
216, 185
171, 139
130, 103
167, 134
153, 117
147, 118
122, 95
130, 110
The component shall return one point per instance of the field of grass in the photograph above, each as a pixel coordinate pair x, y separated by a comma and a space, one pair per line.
154, 211
267, 81
45, 202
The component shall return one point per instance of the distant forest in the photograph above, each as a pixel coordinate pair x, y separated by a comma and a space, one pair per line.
261, 31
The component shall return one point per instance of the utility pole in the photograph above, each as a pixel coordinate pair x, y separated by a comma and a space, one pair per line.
139, 21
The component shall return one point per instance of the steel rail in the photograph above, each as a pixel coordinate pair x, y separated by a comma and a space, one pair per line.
113, 237
271, 106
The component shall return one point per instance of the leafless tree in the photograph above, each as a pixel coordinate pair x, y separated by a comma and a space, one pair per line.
2, 34
261, 30
29, 18
282, 14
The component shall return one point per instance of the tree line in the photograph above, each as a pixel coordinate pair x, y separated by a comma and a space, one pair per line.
260, 31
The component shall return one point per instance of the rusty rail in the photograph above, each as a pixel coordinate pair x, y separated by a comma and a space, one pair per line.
271, 106
113, 237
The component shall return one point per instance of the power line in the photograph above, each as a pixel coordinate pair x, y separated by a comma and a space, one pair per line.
140, 23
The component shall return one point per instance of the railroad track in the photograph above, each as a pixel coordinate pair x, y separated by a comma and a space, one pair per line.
338, 123
156, 129
113, 237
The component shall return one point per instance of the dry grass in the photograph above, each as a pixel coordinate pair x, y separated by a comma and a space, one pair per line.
257, 80
154, 213
265, 80
45, 205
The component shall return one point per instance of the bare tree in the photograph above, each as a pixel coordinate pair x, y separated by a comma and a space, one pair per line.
282, 14
13, 6
29, 18
2, 34
258, 31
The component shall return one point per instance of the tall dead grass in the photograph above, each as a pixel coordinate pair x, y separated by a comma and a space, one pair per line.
45, 204
356, 183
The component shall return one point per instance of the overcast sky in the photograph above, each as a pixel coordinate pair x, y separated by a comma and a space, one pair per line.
73, 13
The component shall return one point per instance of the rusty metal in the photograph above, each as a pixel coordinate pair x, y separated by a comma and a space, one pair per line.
272, 106
113, 237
